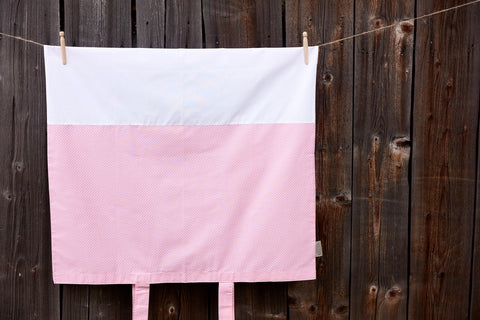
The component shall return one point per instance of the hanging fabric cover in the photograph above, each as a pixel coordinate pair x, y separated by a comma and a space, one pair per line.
181, 165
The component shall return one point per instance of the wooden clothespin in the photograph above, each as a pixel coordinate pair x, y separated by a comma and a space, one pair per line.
62, 45
305, 47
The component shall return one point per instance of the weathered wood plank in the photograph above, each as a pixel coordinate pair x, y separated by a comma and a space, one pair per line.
112, 302
380, 204
26, 283
445, 117
243, 23
98, 23
174, 24
75, 304
184, 24
164, 301
213, 302
150, 23
472, 16
475, 274
260, 301
328, 298
194, 300
303, 15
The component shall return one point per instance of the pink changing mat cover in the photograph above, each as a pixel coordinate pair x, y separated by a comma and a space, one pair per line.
181, 165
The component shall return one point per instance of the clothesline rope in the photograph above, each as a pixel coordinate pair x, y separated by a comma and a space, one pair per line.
395, 24
318, 44
21, 39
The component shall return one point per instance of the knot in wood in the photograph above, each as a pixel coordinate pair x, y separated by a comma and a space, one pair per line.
342, 198
321, 266
402, 142
378, 23
171, 310
449, 88
406, 27
373, 290
341, 310
34, 270
7, 195
393, 294
19, 166
327, 77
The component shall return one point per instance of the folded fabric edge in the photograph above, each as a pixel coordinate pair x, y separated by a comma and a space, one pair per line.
306, 273
140, 299
226, 301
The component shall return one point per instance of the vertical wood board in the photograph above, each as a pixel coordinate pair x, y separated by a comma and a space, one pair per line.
328, 298
240, 23
74, 302
164, 301
475, 273
184, 24
260, 301
110, 302
195, 300
98, 23
380, 204
445, 128
25, 261
150, 23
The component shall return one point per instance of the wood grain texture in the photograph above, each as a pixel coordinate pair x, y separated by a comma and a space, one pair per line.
473, 55
444, 161
26, 286
260, 301
242, 23
75, 304
195, 300
150, 23
164, 301
183, 301
304, 15
328, 298
475, 274
110, 302
98, 23
381, 156
184, 24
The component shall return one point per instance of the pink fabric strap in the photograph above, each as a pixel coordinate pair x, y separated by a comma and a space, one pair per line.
140, 297
226, 301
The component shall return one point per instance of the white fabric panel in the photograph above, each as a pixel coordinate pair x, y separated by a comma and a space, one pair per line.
133, 86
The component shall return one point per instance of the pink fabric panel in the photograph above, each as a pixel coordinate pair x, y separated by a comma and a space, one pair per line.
182, 203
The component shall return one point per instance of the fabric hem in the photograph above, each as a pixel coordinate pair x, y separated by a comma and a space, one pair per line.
174, 277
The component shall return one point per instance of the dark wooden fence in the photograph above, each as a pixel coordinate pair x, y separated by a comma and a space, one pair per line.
396, 155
